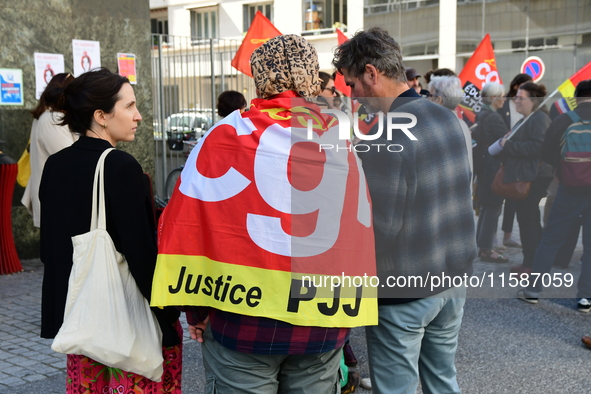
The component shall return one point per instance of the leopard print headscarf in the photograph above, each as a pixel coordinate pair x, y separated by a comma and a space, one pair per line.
285, 63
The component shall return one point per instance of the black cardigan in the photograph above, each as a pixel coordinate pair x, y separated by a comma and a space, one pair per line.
66, 198
492, 127
521, 154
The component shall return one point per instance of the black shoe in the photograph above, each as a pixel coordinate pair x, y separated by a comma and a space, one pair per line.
522, 295
352, 384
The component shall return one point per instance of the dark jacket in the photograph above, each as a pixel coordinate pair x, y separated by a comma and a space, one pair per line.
66, 198
505, 112
551, 146
521, 154
491, 126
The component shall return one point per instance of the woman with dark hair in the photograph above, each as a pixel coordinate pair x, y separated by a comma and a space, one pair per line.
511, 117
521, 158
508, 111
328, 92
229, 101
47, 137
101, 107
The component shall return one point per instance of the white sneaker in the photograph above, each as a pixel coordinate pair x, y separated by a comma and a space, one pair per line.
366, 383
584, 305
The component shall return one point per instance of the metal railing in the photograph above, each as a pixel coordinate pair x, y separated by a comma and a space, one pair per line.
188, 76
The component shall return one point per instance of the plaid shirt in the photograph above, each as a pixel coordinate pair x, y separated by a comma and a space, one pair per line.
421, 200
259, 335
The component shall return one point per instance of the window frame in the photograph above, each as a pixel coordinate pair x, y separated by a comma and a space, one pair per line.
249, 10
204, 23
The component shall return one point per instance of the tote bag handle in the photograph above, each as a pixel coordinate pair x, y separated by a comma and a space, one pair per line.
98, 217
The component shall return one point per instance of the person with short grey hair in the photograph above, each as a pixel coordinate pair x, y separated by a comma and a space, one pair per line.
492, 91
447, 91
490, 126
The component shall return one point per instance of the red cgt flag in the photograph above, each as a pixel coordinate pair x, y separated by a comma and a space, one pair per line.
339, 81
480, 69
261, 30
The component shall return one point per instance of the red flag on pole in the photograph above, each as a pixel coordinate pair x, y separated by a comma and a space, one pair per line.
260, 31
480, 69
339, 81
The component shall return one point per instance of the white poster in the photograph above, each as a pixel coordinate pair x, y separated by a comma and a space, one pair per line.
47, 65
87, 56
11, 86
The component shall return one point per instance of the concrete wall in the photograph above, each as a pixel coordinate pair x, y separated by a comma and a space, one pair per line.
29, 26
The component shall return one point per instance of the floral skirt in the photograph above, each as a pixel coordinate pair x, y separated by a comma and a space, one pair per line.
87, 376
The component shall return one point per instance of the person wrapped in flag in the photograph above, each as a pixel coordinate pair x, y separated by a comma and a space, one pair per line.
268, 236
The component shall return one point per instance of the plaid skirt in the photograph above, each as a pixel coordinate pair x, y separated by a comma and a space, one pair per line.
87, 376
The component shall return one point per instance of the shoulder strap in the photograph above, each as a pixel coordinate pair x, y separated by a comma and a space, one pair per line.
98, 216
574, 116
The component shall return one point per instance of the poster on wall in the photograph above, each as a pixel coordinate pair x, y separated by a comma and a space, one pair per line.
87, 56
11, 86
47, 65
126, 65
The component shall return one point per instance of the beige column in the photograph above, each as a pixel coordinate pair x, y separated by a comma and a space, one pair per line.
447, 33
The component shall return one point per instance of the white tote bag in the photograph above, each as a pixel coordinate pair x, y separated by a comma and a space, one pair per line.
106, 316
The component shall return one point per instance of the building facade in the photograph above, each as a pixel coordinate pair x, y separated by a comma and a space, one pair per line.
432, 33
557, 31
230, 19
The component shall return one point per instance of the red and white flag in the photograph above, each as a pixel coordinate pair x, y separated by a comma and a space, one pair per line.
263, 203
480, 69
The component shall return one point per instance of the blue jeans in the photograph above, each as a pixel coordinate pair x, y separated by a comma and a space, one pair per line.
416, 340
567, 210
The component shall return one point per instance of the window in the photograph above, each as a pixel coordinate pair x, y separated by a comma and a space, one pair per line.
535, 44
204, 23
159, 26
249, 10
324, 14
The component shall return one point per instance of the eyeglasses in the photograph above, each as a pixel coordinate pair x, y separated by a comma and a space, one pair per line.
333, 90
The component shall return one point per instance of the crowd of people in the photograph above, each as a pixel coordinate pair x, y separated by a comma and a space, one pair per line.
427, 193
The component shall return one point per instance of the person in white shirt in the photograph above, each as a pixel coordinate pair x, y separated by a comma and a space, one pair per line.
47, 138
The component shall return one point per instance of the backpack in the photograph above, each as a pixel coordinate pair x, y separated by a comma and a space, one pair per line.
576, 153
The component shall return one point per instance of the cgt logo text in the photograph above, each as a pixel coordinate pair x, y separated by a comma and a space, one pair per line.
345, 131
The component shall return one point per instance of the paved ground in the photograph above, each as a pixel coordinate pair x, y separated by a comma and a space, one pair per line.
505, 345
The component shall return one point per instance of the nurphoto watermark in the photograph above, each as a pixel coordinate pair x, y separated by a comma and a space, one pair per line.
344, 127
